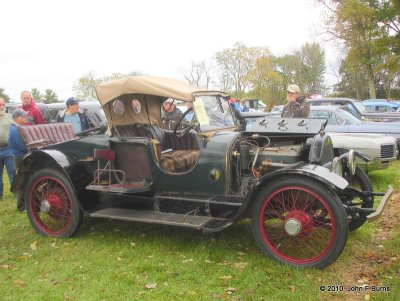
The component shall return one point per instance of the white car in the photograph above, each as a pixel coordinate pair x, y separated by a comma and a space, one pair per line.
381, 149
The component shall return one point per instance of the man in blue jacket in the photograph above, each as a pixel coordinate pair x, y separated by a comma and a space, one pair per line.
74, 115
15, 141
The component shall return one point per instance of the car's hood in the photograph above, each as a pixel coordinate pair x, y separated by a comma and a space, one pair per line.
362, 139
373, 128
279, 126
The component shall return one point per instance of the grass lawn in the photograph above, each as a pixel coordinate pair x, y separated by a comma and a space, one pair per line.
116, 260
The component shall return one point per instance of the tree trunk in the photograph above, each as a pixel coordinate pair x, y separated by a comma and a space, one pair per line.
371, 86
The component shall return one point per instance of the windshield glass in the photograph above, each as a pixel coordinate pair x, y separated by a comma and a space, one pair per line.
349, 117
360, 107
213, 113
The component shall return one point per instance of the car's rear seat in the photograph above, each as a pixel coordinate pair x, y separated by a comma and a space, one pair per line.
39, 135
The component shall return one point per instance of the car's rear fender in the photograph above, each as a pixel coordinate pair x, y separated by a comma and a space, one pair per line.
55, 159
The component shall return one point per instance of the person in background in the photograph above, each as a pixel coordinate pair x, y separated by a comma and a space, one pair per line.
189, 116
243, 107
17, 146
297, 106
170, 109
6, 156
15, 141
74, 115
35, 116
234, 104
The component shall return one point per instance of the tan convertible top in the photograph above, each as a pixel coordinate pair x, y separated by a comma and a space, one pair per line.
157, 86
151, 92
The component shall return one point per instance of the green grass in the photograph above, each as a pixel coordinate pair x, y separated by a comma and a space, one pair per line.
115, 260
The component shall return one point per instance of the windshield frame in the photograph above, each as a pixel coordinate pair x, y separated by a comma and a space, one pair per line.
213, 113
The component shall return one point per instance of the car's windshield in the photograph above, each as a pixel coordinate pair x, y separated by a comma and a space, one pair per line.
360, 107
213, 113
349, 117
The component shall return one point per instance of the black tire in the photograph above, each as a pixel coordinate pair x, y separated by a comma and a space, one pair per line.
360, 181
51, 204
299, 222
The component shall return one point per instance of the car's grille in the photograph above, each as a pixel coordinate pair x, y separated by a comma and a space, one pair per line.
387, 151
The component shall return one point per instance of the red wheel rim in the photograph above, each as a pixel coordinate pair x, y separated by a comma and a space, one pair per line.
297, 225
51, 205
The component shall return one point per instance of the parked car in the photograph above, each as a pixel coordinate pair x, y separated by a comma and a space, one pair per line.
340, 120
379, 106
357, 108
50, 111
94, 112
380, 149
256, 105
206, 177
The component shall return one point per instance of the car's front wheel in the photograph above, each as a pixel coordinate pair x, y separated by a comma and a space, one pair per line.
361, 182
299, 222
51, 204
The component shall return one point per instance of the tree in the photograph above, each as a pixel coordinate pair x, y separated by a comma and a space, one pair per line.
50, 96
352, 82
36, 95
199, 74
236, 63
266, 82
369, 29
4, 95
193, 76
310, 68
86, 86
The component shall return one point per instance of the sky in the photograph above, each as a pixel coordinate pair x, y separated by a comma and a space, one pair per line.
51, 44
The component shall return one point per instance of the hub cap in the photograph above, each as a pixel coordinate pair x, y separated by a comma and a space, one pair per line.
292, 226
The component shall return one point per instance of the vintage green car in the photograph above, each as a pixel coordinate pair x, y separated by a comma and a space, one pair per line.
204, 174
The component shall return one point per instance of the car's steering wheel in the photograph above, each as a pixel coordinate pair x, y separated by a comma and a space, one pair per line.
188, 125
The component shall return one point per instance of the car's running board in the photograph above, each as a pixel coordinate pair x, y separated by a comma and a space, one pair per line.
184, 220
374, 216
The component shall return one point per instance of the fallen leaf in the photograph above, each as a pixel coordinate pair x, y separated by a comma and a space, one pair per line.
151, 285
33, 245
188, 260
292, 288
230, 289
19, 282
367, 297
225, 277
240, 265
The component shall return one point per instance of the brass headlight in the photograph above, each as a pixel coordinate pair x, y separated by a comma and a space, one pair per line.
336, 166
351, 162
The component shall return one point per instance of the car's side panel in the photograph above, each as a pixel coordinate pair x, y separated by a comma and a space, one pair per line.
211, 174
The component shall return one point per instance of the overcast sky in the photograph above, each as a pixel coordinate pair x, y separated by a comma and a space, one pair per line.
51, 44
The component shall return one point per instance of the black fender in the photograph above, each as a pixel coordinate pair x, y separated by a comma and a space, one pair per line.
39, 159
318, 173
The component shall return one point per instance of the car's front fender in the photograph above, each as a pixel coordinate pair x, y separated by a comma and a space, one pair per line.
316, 172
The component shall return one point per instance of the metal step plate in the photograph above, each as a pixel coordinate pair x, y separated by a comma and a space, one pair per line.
153, 217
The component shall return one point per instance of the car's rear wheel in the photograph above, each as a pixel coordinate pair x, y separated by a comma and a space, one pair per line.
360, 181
299, 222
51, 204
